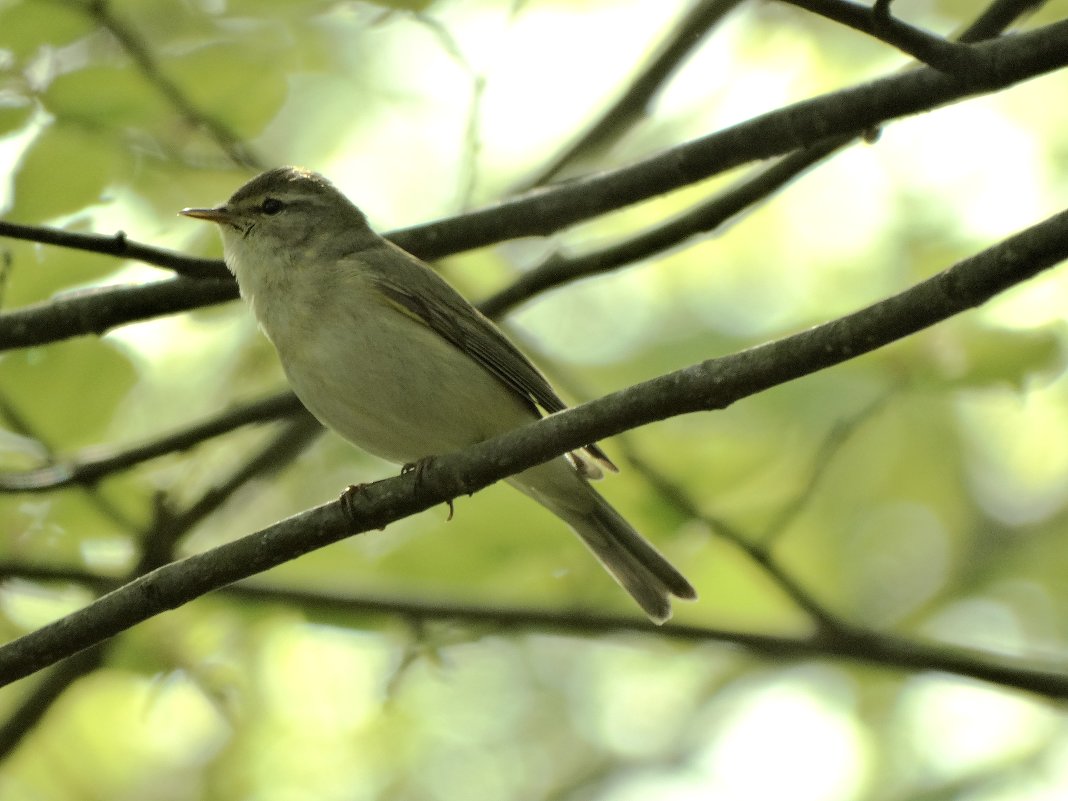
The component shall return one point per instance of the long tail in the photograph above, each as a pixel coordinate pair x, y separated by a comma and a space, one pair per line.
631, 559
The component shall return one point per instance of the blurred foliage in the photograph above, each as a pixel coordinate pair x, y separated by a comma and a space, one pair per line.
921, 490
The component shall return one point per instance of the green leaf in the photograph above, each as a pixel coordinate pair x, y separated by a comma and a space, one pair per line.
15, 111
65, 169
37, 272
29, 25
245, 99
975, 355
105, 96
67, 392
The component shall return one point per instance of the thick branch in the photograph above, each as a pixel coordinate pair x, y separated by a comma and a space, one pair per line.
713, 384
708, 216
849, 112
99, 310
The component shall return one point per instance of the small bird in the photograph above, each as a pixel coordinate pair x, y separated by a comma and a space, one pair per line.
386, 353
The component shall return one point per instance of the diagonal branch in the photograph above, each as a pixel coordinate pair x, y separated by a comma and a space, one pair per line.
955, 59
706, 217
31, 709
703, 218
157, 549
93, 468
998, 16
709, 385
848, 112
674, 494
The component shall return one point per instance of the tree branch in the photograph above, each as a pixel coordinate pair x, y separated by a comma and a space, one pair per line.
998, 16
705, 217
954, 59
157, 550
845, 114
558, 270
89, 470
848, 112
31, 709
857, 645
98, 310
853, 644
714, 384
117, 245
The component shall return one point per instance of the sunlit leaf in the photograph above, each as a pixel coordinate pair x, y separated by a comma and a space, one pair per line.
28, 25
246, 99
37, 272
14, 113
67, 392
65, 169
975, 355
105, 96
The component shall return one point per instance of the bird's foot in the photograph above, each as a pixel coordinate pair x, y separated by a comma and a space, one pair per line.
348, 497
419, 468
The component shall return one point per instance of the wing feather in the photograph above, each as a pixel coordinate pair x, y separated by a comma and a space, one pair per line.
424, 295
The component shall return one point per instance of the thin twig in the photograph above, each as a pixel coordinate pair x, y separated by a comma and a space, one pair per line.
117, 245
674, 494
295, 437
838, 436
157, 550
952, 58
633, 103
90, 469
883, 650
703, 218
18, 423
880, 649
468, 173
31, 709
229, 142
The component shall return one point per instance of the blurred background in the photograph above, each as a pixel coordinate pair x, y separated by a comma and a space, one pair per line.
918, 492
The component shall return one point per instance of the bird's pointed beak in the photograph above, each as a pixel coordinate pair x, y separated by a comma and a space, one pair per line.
220, 214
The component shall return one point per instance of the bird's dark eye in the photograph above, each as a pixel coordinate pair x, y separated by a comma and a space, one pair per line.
271, 205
